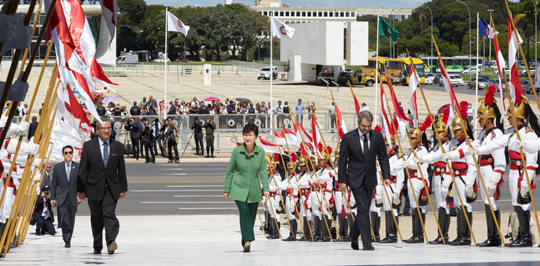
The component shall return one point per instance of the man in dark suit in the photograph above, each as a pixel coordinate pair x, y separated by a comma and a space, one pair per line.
358, 154
32, 128
102, 177
64, 193
135, 130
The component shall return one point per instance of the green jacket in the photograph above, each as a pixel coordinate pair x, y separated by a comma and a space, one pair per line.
242, 179
210, 129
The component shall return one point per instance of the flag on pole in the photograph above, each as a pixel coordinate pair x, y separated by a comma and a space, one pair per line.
454, 104
501, 63
384, 111
301, 131
513, 46
413, 84
292, 137
340, 123
401, 117
484, 29
109, 9
357, 106
315, 136
280, 30
270, 147
174, 24
386, 30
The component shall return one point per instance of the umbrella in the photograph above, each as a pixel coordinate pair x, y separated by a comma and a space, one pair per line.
109, 99
212, 99
440, 111
240, 99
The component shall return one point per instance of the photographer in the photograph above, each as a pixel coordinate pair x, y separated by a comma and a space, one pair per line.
135, 130
170, 133
156, 128
197, 132
210, 127
148, 141
43, 216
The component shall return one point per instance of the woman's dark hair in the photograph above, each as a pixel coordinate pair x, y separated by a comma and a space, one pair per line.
250, 127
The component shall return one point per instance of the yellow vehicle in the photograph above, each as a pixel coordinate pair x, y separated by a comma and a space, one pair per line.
400, 66
370, 69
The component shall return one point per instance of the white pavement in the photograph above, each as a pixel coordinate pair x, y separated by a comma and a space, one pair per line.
215, 240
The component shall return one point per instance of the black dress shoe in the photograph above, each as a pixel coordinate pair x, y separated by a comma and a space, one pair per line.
463, 241
436, 241
524, 241
97, 251
207, 156
415, 239
368, 247
301, 239
67, 245
490, 242
290, 238
354, 245
345, 239
111, 248
389, 240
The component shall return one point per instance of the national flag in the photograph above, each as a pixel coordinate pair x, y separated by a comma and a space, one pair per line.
513, 46
315, 136
280, 138
484, 29
448, 87
280, 30
387, 30
340, 123
384, 110
501, 63
109, 9
414, 79
357, 106
301, 132
306, 150
174, 24
71, 111
401, 117
270, 147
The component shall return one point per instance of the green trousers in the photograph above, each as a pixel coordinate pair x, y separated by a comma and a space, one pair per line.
248, 213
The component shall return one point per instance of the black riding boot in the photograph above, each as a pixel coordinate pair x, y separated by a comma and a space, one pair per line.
524, 238
293, 231
465, 239
391, 228
491, 230
376, 225
415, 224
444, 228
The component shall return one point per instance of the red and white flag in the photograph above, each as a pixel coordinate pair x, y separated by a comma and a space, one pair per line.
302, 133
513, 46
270, 147
500, 66
454, 104
71, 111
413, 84
389, 130
340, 123
315, 136
109, 9
357, 106
401, 117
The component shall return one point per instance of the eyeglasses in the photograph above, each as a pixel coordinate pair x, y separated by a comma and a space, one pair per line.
68, 152
105, 128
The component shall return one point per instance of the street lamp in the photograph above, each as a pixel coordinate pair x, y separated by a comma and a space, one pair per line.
470, 47
431, 14
535, 29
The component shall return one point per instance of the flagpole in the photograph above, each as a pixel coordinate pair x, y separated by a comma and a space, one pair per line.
477, 69
271, 74
377, 69
166, 32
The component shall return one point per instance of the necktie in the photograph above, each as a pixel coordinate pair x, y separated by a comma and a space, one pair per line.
68, 168
366, 146
105, 153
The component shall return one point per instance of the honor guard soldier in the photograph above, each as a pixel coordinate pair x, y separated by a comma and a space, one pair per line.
435, 158
273, 204
342, 208
393, 191
304, 186
324, 176
291, 198
419, 144
527, 125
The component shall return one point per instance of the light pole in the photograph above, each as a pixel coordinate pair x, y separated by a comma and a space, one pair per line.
470, 47
490, 10
535, 30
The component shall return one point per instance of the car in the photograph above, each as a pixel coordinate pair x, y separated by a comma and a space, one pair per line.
344, 78
527, 88
429, 78
496, 83
471, 70
482, 82
523, 72
350, 71
161, 60
265, 73
455, 80
323, 76
506, 70
437, 78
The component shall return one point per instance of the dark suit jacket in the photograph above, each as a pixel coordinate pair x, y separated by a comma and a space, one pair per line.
356, 170
93, 174
46, 181
32, 129
38, 210
62, 190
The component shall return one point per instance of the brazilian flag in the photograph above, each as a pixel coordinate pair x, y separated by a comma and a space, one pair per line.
387, 30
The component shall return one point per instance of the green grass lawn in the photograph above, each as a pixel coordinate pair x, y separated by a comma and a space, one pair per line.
190, 63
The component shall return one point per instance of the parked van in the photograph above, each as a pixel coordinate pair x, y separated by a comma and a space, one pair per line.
128, 59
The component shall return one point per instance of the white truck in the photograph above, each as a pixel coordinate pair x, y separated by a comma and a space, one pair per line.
128, 59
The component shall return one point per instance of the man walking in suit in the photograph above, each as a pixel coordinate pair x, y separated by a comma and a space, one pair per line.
358, 154
64, 193
102, 177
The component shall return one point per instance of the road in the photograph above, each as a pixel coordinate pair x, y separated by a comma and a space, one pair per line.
197, 189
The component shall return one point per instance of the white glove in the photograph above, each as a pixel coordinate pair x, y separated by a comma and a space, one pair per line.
304, 184
27, 149
294, 186
352, 202
480, 150
407, 164
418, 189
451, 156
23, 128
12, 145
469, 184
524, 185
530, 146
447, 180
13, 131
416, 160
309, 204
397, 193
315, 179
36, 162
37, 176
325, 178
429, 159
493, 182
20, 171
273, 187
378, 169
378, 194
282, 186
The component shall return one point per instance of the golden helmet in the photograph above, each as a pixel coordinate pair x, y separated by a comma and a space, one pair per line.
302, 161
292, 162
519, 110
336, 152
416, 134
486, 110
392, 139
440, 125
458, 123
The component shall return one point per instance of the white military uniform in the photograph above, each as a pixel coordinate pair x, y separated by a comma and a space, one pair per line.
416, 177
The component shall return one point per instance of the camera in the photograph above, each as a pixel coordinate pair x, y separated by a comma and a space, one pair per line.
46, 190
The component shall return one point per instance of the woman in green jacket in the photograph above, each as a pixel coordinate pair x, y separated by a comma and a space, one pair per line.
246, 172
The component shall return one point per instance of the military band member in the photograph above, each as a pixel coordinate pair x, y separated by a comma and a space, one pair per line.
324, 175
273, 203
304, 186
435, 158
291, 200
393, 191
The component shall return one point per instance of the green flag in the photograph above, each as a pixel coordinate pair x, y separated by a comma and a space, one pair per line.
387, 30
